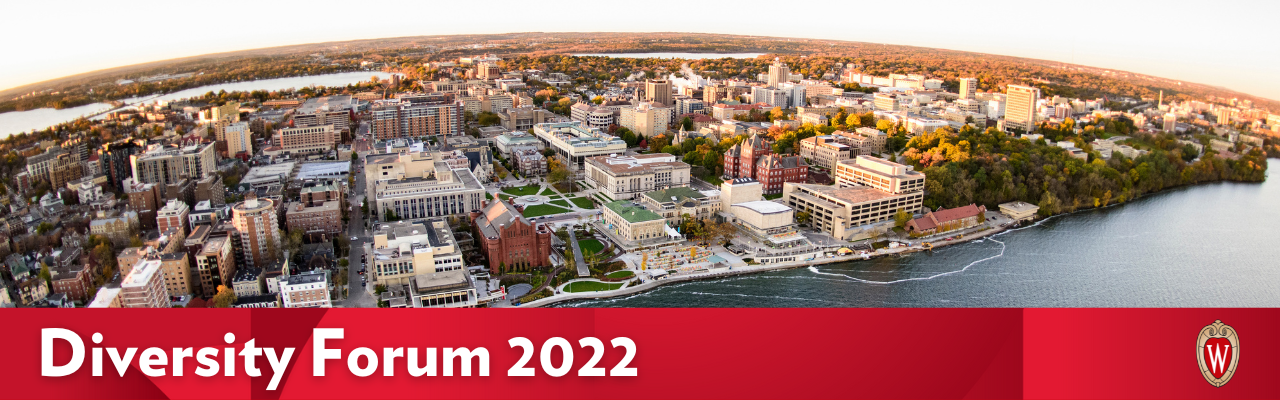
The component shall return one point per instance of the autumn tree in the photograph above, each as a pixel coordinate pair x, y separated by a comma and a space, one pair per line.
224, 298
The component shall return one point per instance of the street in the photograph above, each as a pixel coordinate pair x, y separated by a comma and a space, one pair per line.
357, 297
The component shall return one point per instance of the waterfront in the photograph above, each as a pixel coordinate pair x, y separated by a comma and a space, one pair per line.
687, 56
25, 121
1203, 246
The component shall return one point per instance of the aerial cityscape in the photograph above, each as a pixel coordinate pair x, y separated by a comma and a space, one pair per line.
633, 170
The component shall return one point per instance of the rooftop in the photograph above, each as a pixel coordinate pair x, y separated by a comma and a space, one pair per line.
437, 281
635, 164
631, 212
852, 195
764, 206
675, 193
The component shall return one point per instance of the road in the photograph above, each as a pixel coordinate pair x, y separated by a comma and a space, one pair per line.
358, 296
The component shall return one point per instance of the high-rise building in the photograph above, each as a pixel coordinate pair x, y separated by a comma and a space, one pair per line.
169, 164
1020, 110
239, 139
255, 220
311, 139
144, 286
216, 264
648, 119
416, 116
659, 91
968, 88
778, 73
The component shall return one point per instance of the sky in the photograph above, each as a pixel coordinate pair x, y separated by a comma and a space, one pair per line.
1225, 43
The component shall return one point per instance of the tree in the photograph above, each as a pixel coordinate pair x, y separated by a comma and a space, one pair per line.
901, 218
802, 217
853, 121
273, 246
686, 123
224, 298
355, 156
293, 242
557, 173
776, 114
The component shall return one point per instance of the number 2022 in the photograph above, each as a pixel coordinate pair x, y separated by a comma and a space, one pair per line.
589, 369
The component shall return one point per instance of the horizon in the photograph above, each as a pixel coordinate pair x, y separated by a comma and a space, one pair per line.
63, 53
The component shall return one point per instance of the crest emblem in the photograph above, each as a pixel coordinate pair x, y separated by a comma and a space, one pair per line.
1218, 351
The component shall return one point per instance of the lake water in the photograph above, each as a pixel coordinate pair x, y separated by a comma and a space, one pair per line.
25, 121
1214, 245
687, 56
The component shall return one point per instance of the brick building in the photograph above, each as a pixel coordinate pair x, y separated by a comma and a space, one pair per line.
74, 281
773, 170
507, 238
740, 160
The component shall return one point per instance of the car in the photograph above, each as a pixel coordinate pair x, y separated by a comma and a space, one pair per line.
355, 238
361, 284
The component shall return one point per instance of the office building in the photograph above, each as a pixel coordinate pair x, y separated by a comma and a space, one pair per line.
625, 177
574, 142
1020, 108
631, 223
594, 117
842, 212
403, 249
446, 289
673, 203
827, 150
508, 239
415, 186
887, 102
884, 175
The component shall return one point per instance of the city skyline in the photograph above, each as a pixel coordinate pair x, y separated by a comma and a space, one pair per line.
1156, 41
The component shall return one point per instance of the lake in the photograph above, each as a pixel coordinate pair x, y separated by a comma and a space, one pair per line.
25, 121
688, 56
1212, 245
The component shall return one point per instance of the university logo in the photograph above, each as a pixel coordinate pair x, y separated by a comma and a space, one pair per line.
1218, 350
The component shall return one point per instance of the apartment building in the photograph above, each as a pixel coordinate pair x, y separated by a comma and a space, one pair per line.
215, 264
594, 117
168, 165
574, 142
626, 177
524, 118
144, 286
239, 139
647, 119
306, 140
177, 273
658, 91
173, 216
306, 290
968, 88
416, 116
255, 220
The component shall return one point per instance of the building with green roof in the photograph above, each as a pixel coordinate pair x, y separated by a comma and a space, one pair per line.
630, 222
673, 202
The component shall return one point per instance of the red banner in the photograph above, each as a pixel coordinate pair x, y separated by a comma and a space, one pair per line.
639, 353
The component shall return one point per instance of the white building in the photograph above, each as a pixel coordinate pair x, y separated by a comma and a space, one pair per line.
306, 290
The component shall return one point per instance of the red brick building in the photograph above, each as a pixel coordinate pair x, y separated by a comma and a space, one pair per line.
508, 239
740, 160
75, 281
773, 170
946, 219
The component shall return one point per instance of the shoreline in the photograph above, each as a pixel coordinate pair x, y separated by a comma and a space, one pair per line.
752, 269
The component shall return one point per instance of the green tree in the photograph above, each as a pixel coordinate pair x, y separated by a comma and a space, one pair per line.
687, 123
901, 218
802, 217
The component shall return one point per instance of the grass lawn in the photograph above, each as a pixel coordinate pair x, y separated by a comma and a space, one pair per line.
590, 245
560, 203
488, 196
773, 196
547, 192
543, 209
504, 197
555, 196
620, 274
583, 202
711, 179
523, 190
589, 286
